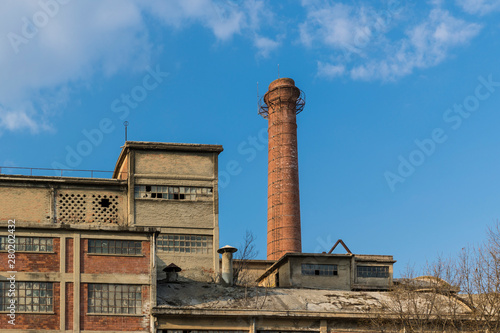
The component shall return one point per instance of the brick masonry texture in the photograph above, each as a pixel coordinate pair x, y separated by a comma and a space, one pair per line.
114, 322
34, 262
107, 264
26, 321
283, 206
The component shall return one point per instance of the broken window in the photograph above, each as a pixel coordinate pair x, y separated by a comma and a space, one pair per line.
118, 247
173, 192
185, 244
115, 298
316, 269
29, 296
373, 271
29, 244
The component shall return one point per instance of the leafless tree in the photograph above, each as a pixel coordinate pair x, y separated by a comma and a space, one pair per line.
459, 294
246, 252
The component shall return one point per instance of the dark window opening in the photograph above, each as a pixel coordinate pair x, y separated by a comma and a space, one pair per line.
104, 203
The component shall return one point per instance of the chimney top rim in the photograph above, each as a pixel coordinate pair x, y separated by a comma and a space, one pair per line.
282, 82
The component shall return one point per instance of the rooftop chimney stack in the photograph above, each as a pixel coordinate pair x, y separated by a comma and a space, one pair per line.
281, 104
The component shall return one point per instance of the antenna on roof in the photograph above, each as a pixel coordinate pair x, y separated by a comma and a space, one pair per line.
125, 123
258, 105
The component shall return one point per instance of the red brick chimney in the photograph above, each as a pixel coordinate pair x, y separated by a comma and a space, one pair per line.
282, 103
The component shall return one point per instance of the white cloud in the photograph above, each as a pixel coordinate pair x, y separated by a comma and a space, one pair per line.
329, 70
480, 7
339, 26
50, 45
265, 45
426, 45
361, 45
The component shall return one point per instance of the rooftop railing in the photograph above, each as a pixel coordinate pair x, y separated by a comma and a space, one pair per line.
23, 171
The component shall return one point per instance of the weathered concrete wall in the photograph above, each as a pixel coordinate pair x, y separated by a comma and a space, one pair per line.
174, 213
338, 282
174, 163
197, 267
373, 282
25, 204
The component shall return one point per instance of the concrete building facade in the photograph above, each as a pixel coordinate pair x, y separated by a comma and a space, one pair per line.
85, 254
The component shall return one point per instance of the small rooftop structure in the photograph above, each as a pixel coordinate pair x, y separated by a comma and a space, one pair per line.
330, 271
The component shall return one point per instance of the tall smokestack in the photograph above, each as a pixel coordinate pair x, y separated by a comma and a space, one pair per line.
283, 102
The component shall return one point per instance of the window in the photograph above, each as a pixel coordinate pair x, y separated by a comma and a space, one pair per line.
315, 269
373, 271
29, 244
120, 247
29, 296
173, 192
115, 298
185, 244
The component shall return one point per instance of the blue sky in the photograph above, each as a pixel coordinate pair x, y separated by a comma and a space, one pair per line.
398, 141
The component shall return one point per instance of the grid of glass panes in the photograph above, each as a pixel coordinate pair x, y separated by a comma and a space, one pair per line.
318, 269
115, 298
172, 192
29, 244
373, 271
184, 243
29, 296
123, 247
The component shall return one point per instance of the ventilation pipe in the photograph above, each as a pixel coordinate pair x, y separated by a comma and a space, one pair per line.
227, 264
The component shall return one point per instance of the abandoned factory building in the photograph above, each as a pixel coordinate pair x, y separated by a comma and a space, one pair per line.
139, 252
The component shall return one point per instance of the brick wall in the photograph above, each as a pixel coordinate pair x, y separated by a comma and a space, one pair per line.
109, 264
38, 321
69, 255
69, 305
114, 322
34, 262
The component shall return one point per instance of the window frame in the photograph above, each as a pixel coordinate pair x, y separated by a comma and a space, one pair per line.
22, 297
173, 193
97, 243
318, 269
105, 289
49, 248
178, 244
381, 271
